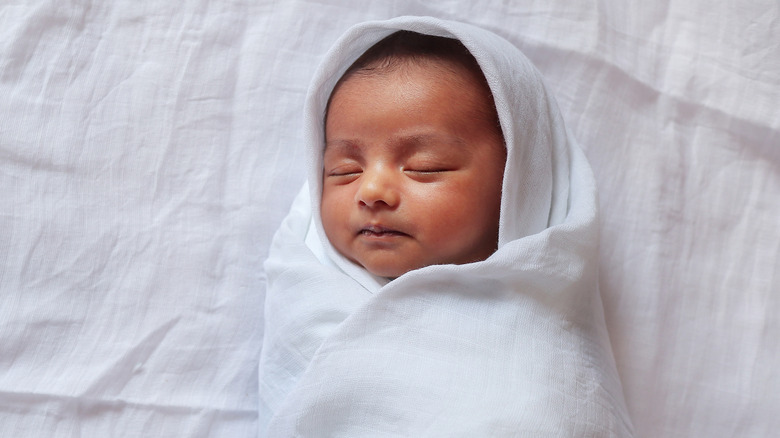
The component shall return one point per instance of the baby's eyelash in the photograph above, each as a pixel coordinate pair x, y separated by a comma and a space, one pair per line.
344, 173
431, 170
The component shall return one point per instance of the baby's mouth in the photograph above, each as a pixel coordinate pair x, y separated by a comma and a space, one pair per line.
379, 231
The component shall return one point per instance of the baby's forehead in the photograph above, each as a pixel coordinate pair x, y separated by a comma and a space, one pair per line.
454, 85
457, 84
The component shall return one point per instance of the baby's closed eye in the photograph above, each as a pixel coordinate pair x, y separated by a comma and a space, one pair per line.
344, 171
341, 174
427, 169
428, 172
429, 165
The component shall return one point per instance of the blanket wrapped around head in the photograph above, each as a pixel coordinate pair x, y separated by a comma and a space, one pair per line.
515, 345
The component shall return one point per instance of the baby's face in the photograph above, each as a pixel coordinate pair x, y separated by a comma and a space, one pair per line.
412, 174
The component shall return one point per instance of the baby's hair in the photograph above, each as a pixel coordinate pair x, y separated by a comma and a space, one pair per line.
405, 47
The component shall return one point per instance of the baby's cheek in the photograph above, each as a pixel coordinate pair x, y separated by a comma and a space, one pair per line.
450, 214
329, 215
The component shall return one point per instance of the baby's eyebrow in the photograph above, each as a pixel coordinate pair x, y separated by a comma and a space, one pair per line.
407, 142
348, 147
429, 139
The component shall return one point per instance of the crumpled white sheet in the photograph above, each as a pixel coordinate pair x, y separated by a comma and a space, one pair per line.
148, 151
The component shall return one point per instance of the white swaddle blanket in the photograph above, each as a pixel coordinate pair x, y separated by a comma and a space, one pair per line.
514, 345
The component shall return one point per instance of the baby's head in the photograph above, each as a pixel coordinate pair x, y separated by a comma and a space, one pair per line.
414, 158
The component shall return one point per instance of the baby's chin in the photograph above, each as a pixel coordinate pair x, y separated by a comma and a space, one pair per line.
390, 270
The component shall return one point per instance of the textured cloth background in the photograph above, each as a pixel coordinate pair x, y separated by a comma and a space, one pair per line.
148, 151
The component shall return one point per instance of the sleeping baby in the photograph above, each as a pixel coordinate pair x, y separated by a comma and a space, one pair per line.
437, 275
414, 158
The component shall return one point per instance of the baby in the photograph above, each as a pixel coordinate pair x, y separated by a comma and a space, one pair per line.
438, 276
414, 158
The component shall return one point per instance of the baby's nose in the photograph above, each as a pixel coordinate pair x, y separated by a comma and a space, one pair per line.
378, 188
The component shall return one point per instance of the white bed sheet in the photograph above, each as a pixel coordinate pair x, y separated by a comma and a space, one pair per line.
148, 151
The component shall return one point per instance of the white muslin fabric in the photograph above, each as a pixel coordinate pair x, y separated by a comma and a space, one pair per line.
515, 345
